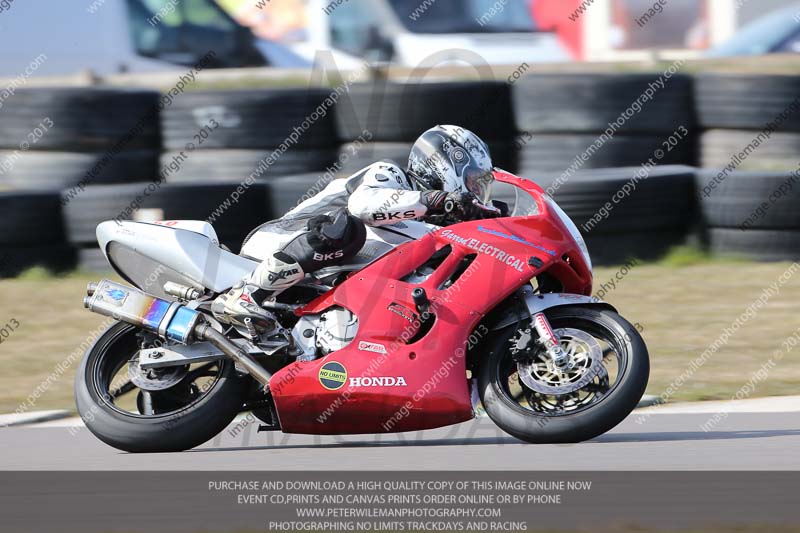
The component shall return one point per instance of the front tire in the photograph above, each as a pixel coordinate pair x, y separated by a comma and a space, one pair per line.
540, 422
177, 418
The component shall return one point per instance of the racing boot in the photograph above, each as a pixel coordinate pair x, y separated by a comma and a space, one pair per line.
273, 276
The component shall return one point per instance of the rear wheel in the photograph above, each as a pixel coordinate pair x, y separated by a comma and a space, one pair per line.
531, 399
161, 410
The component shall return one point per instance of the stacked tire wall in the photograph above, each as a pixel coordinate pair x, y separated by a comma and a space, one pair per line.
54, 139
658, 213
574, 127
393, 115
749, 188
71, 158
227, 136
615, 120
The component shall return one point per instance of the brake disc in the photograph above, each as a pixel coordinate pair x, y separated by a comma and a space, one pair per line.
155, 379
541, 375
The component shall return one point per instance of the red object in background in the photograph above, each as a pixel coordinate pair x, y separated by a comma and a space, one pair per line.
554, 15
319, 397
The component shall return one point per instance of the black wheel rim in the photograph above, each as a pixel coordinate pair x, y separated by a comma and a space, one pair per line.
108, 379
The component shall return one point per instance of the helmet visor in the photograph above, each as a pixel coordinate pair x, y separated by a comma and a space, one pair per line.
479, 182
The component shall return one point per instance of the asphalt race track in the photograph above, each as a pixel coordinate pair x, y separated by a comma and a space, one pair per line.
741, 441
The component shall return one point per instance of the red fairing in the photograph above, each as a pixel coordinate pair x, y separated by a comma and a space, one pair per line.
394, 377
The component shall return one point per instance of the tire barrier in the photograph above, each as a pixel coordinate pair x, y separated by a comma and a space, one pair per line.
395, 112
60, 137
232, 213
250, 119
32, 233
752, 122
587, 103
15, 260
236, 165
52, 171
608, 249
102, 148
625, 213
746, 101
92, 260
83, 119
602, 120
756, 244
753, 215
286, 192
750, 150
556, 152
32, 218
755, 200
231, 135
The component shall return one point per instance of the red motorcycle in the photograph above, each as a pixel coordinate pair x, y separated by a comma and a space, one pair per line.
430, 318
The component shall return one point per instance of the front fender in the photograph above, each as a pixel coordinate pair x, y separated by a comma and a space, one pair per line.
536, 303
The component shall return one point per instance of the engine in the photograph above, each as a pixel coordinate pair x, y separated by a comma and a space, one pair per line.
325, 333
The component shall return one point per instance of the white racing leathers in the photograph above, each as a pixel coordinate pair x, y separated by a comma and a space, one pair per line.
323, 230
383, 194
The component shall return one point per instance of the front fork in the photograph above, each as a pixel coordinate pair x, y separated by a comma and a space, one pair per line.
550, 342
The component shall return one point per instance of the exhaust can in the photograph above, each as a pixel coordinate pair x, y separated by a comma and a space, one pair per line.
171, 320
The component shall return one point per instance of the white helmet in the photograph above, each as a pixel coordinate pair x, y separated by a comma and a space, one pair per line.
452, 159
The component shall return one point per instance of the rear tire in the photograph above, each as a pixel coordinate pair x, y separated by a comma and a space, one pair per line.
596, 419
175, 431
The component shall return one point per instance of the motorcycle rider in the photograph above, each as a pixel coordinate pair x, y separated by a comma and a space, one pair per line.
448, 166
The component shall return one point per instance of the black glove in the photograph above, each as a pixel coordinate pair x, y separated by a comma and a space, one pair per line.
503, 207
460, 204
434, 201
329, 230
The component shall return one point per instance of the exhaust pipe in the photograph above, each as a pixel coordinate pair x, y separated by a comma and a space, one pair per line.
170, 320
204, 331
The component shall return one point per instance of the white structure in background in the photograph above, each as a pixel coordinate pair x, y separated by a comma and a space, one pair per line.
415, 33
117, 36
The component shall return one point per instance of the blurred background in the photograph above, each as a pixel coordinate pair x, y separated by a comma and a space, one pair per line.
168, 109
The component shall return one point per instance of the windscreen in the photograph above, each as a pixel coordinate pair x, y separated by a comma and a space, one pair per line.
520, 203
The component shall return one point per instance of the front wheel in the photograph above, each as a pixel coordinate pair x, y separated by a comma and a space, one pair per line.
161, 410
527, 396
